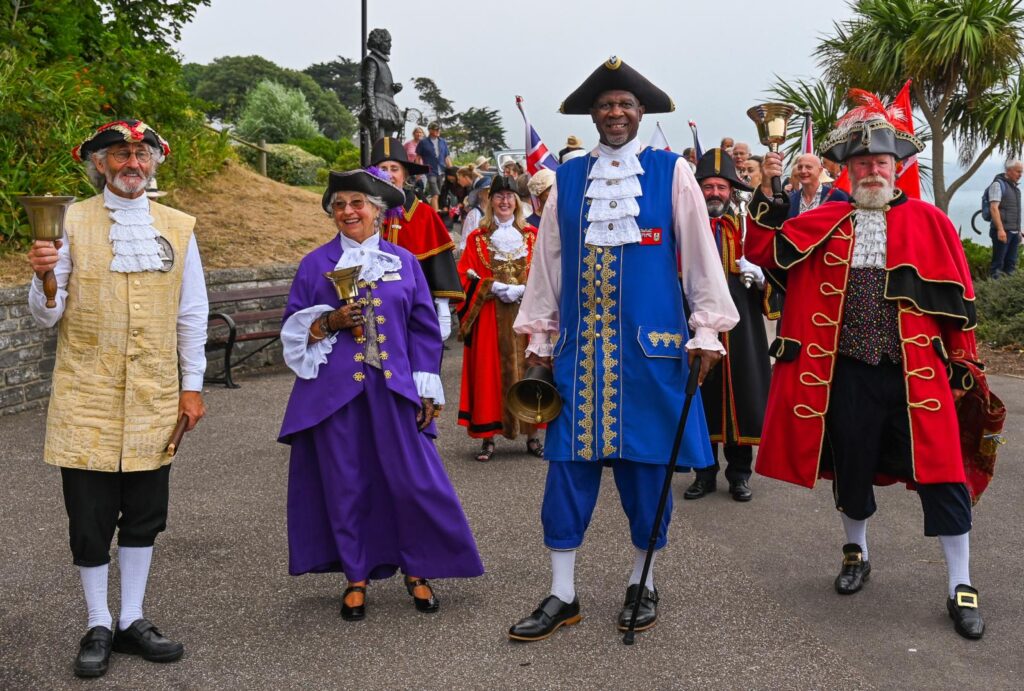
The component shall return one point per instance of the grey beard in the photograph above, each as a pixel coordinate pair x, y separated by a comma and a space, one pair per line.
873, 199
716, 209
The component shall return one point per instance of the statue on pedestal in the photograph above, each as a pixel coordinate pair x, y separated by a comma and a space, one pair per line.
380, 116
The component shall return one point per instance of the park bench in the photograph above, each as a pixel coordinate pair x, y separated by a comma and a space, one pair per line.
224, 331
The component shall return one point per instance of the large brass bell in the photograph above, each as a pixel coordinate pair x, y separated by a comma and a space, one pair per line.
534, 398
46, 216
772, 121
346, 284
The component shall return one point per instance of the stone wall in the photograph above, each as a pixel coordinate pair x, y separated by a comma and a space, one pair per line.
27, 351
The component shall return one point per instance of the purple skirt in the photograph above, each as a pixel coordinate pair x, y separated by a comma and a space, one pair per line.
368, 495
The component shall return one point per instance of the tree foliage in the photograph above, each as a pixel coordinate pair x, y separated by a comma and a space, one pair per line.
477, 129
225, 83
276, 113
964, 59
340, 76
441, 108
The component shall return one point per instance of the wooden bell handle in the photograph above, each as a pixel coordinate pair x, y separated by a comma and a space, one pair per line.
50, 289
176, 436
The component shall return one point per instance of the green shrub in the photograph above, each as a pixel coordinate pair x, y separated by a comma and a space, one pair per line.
348, 156
1000, 304
979, 258
321, 146
277, 114
287, 163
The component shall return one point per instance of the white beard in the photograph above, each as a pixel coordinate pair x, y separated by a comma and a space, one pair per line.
873, 198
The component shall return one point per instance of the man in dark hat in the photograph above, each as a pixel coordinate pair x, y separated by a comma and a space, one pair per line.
604, 308
418, 228
131, 309
875, 349
735, 393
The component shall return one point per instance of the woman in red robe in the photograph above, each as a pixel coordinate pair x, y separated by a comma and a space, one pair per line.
493, 269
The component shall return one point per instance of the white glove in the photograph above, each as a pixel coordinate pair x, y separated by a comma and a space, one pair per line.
751, 269
515, 293
444, 317
498, 288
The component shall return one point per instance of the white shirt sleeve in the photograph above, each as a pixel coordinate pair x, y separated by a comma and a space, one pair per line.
193, 314
47, 318
428, 385
304, 358
538, 313
711, 308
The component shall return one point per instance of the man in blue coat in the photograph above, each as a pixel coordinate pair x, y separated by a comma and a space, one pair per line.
813, 192
604, 309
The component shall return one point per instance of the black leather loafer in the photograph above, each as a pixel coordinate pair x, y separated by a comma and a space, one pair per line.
740, 490
142, 638
700, 488
426, 605
93, 652
963, 610
855, 571
647, 615
357, 613
545, 620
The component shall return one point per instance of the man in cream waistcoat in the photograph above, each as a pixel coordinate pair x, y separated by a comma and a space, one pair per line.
131, 306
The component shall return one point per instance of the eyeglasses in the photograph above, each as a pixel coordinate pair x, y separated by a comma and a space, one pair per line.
355, 204
607, 106
124, 155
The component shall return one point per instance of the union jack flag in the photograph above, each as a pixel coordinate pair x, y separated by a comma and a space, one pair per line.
537, 154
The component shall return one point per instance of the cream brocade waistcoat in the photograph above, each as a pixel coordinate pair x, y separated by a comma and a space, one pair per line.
114, 401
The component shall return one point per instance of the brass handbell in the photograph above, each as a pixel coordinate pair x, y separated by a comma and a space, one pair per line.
344, 281
46, 216
772, 121
534, 398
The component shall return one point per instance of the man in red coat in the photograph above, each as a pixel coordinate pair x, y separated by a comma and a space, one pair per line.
870, 356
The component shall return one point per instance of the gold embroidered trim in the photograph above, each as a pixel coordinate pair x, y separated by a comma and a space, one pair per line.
609, 363
806, 412
818, 351
587, 362
829, 290
930, 404
665, 338
359, 376
812, 379
926, 373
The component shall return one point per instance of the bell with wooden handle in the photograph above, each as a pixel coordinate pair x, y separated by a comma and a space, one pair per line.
46, 216
345, 283
534, 398
772, 121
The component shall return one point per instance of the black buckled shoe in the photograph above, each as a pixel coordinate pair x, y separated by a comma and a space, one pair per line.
93, 652
963, 610
426, 605
145, 640
545, 620
855, 571
647, 615
357, 613
740, 490
700, 487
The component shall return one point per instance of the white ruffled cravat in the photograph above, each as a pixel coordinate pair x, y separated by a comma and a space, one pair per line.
374, 262
613, 191
507, 241
132, 236
870, 239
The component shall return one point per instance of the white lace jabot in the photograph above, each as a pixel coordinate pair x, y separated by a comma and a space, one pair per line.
507, 241
375, 263
132, 235
614, 187
869, 239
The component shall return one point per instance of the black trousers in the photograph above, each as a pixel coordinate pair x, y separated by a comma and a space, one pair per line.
739, 460
867, 431
97, 503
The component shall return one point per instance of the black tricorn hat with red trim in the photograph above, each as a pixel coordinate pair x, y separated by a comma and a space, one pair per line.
615, 75
129, 131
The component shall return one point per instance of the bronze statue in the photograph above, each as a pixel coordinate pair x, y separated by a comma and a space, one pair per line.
380, 115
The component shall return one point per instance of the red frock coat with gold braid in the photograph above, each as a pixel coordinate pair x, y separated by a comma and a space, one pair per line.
927, 275
421, 231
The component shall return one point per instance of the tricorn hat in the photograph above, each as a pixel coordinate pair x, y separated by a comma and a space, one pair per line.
130, 131
615, 75
504, 183
715, 163
364, 181
390, 149
871, 128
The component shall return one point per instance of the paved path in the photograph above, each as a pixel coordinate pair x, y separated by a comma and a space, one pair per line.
746, 588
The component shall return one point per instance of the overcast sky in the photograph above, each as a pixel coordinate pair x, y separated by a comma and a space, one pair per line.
714, 58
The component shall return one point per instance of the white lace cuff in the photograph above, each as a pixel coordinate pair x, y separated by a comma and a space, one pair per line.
428, 385
301, 356
541, 345
705, 339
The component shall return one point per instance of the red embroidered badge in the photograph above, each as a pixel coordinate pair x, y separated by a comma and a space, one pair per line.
650, 236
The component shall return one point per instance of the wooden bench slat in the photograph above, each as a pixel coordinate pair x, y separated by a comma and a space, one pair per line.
248, 294
232, 335
250, 317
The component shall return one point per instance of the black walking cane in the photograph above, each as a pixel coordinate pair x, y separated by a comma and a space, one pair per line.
691, 390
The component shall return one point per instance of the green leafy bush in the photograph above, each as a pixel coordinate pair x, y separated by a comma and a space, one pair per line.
1000, 305
321, 146
979, 258
277, 114
347, 158
287, 163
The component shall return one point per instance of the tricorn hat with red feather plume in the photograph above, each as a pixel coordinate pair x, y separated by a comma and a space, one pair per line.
870, 128
120, 131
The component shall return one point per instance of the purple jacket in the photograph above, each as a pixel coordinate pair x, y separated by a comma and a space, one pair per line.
412, 338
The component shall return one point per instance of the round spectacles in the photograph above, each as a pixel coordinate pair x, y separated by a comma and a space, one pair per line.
124, 155
355, 204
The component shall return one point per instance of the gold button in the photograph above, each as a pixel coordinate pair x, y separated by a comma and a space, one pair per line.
381, 338
359, 376
597, 282
383, 355
135, 332
599, 301
600, 250
597, 266
380, 319
387, 374
359, 357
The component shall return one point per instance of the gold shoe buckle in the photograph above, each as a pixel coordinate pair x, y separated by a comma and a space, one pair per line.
853, 559
967, 600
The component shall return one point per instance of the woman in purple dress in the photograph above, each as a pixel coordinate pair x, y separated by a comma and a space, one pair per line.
367, 491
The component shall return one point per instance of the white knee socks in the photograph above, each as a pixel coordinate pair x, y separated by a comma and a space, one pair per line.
134, 563
957, 549
639, 556
94, 583
856, 532
563, 575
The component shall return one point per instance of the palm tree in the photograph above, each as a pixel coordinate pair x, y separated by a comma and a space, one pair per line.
964, 58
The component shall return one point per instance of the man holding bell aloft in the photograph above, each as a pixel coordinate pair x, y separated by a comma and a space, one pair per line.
874, 352
604, 308
131, 308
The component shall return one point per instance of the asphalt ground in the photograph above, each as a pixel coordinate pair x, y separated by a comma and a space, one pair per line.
746, 589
